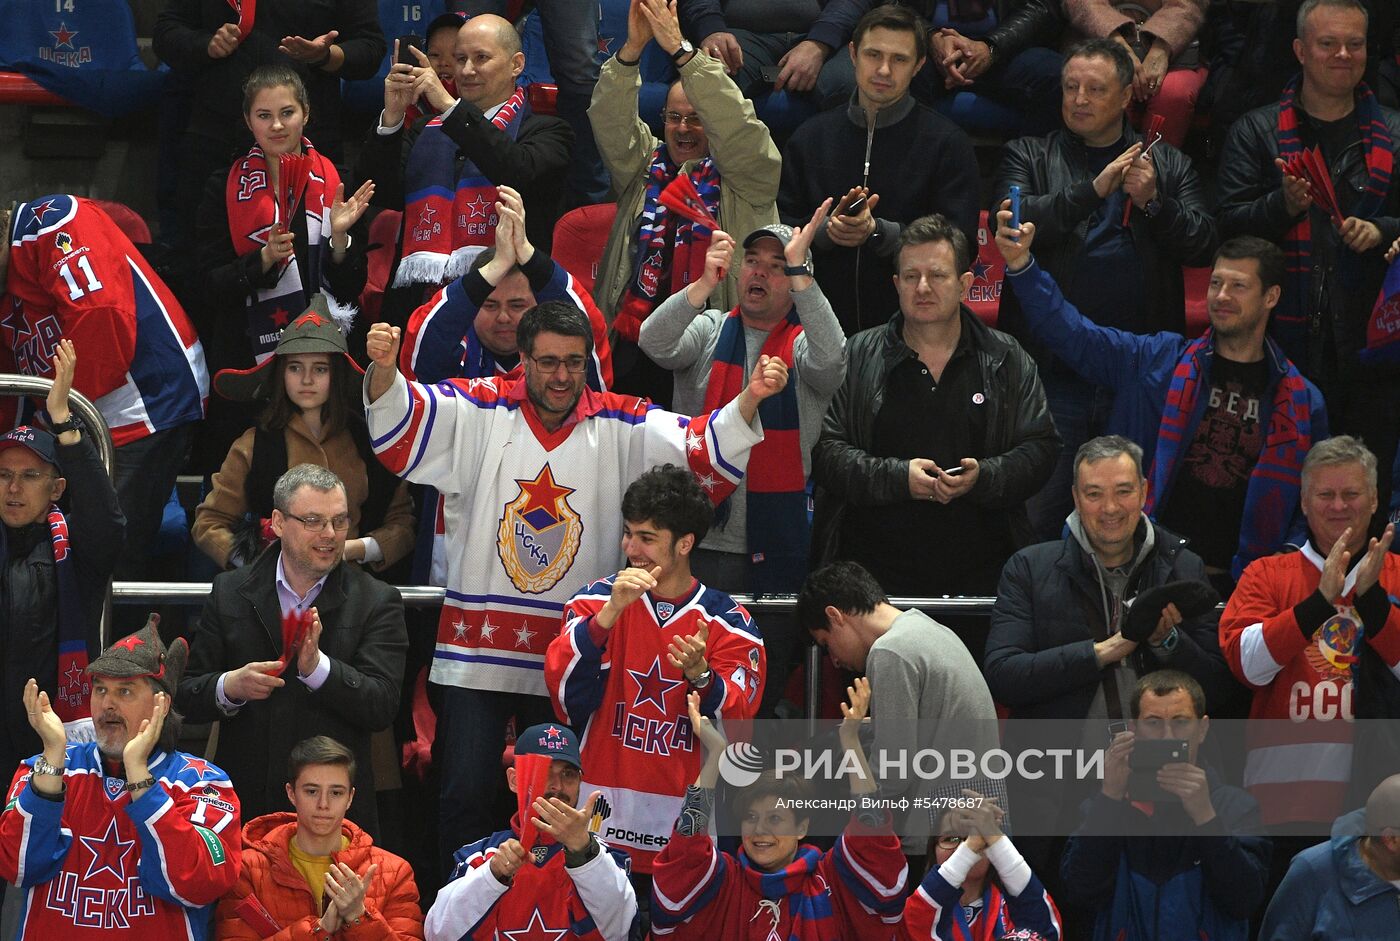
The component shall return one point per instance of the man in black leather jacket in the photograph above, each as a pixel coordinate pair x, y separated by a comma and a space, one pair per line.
1076, 184
37, 470
1335, 271
935, 439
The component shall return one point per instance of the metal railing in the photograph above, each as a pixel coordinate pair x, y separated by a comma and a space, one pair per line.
427, 596
16, 385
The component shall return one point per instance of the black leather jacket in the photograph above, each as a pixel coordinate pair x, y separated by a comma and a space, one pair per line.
1057, 194
1251, 203
1020, 433
29, 589
1024, 24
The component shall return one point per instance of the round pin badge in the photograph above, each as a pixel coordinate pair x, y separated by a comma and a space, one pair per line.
978, 398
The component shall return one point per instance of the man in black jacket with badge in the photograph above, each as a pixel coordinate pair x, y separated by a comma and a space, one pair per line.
936, 437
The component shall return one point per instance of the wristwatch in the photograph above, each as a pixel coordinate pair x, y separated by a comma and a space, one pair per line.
60, 427
686, 47
41, 766
702, 681
793, 271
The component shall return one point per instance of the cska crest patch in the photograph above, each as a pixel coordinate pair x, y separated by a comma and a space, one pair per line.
539, 534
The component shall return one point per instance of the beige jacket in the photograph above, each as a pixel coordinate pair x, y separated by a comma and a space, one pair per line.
744, 153
225, 505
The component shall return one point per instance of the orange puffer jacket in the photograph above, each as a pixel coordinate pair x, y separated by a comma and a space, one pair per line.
391, 903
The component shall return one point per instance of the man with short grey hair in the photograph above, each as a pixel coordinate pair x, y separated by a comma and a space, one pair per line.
298, 604
1312, 633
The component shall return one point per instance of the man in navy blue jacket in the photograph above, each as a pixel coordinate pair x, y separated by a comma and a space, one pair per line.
1224, 420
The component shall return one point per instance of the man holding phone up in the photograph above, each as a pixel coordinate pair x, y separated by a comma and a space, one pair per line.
1168, 851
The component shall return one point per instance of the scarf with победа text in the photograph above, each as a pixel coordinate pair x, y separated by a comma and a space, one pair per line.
776, 502
1274, 483
1290, 318
449, 216
667, 245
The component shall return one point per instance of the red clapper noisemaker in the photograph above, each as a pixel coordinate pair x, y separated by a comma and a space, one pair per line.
295, 628
1154, 134
294, 171
246, 10
1308, 165
531, 780
681, 197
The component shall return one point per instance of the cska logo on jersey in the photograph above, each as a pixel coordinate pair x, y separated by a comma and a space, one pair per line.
539, 534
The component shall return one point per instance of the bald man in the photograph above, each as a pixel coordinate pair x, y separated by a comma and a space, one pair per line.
1348, 887
443, 172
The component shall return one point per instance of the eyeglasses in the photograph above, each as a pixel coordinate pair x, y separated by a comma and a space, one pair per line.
317, 524
27, 478
550, 364
950, 842
676, 119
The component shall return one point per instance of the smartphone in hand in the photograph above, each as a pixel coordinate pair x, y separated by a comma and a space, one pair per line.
406, 46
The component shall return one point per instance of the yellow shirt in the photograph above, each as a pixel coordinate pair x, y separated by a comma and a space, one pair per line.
313, 869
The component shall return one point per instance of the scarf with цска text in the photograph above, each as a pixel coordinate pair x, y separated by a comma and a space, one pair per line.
1274, 484
449, 216
72, 690
666, 243
1290, 319
776, 501
252, 213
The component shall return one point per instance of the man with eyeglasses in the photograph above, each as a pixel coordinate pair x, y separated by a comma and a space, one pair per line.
532, 473
61, 539
713, 136
298, 607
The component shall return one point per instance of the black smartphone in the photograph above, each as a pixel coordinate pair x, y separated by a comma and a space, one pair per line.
855, 208
406, 46
1149, 754
769, 74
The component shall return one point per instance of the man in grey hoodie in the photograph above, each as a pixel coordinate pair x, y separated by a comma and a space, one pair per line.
1055, 648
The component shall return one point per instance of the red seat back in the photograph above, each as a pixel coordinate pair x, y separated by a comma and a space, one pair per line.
579, 238
127, 219
984, 296
1196, 281
384, 237
544, 98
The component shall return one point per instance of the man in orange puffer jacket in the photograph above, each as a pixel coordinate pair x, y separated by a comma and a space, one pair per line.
312, 873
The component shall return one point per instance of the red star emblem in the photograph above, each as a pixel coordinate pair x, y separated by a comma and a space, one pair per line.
16, 324
536, 930
63, 36
311, 317
552, 732
544, 493
280, 316
109, 853
604, 45
43, 209
197, 765
130, 643
479, 206
652, 687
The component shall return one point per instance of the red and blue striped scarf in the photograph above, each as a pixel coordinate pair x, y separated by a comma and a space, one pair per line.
1290, 319
776, 500
665, 243
449, 217
1273, 488
809, 899
71, 688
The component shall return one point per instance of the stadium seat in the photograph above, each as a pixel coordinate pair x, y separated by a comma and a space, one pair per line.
1196, 281
128, 220
544, 97
579, 238
383, 243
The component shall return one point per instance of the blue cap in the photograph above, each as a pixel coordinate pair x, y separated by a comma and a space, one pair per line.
550, 738
35, 439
